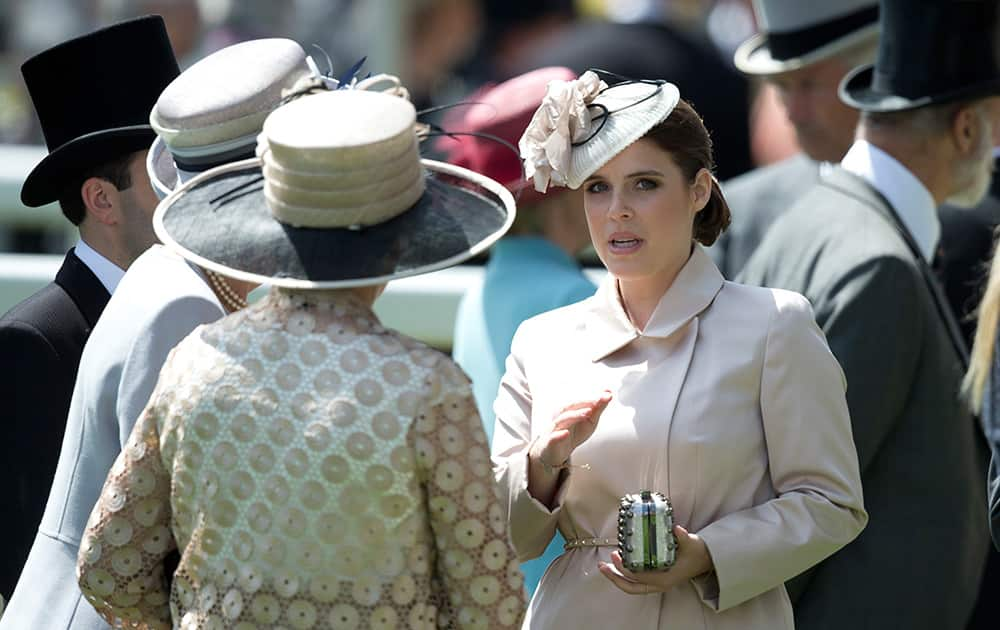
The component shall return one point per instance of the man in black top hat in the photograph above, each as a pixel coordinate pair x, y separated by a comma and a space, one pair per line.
804, 50
93, 95
859, 246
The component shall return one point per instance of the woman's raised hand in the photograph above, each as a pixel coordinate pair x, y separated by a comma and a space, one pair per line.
571, 428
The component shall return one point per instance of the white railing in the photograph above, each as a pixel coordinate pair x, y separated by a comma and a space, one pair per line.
423, 307
16, 161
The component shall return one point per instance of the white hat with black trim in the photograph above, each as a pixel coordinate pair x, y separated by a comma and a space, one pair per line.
211, 113
797, 33
582, 124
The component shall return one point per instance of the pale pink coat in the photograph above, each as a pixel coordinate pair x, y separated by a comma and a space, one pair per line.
730, 403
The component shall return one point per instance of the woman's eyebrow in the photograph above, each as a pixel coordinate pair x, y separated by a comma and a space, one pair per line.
644, 173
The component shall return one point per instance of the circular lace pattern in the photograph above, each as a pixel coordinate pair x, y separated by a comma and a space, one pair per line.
315, 471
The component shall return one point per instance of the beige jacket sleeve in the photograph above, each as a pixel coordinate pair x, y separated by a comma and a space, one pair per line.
813, 465
532, 524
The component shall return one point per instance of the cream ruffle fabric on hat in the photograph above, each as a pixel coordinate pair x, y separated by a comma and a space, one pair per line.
570, 114
560, 120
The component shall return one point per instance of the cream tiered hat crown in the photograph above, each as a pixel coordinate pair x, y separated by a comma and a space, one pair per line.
351, 175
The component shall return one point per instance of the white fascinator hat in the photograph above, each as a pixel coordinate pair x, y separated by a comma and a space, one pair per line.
582, 124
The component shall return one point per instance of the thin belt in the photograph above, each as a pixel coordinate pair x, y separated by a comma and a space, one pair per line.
576, 543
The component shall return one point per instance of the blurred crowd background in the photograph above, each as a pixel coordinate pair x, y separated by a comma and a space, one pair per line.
442, 49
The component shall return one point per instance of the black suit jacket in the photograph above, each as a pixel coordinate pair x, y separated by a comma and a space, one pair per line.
41, 340
918, 563
966, 250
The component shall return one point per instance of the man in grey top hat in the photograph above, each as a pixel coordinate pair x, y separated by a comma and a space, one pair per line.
804, 50
858, 244
210, 115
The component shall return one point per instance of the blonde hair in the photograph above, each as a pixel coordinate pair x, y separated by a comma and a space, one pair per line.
988, 315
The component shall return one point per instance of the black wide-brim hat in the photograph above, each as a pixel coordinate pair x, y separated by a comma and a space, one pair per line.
931, 52
220, 221
93, 95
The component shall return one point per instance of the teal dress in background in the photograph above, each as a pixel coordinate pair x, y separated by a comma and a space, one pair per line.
525, 276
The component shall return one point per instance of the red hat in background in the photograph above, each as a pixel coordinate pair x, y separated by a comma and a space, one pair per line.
504, 111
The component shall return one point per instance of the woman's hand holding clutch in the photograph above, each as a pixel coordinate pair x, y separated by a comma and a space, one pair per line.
693, 560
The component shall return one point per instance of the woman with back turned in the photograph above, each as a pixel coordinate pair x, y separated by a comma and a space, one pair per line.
313, 468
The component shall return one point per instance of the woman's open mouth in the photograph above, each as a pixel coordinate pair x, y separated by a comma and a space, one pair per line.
625, 244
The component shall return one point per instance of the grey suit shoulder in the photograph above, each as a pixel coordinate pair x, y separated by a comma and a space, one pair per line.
756, 199
918, 563
160, 300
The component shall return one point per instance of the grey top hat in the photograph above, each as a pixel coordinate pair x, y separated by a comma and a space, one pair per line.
339, 197
797, 33
211, 113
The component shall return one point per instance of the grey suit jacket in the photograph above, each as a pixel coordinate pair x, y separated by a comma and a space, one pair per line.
756, 199
159, 301
919, 562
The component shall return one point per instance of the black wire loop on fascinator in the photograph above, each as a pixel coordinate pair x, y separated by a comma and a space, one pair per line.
434, 130
602, 118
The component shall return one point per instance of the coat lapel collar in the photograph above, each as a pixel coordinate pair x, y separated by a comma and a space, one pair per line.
609, 328
83, 287
850, 184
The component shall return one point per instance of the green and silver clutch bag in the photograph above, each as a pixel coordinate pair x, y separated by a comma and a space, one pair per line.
646, 532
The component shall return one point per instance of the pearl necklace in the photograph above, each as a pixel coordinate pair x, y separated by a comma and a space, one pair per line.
229, 298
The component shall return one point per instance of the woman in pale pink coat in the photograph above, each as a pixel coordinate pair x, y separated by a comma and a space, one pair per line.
723, 397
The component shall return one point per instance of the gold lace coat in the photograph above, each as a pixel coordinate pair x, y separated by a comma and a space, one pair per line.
314, 470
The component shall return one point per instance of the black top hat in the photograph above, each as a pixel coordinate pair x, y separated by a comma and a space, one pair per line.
931, 52
93, 95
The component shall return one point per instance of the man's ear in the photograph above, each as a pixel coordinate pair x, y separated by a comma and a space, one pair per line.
100, 197
966, 129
